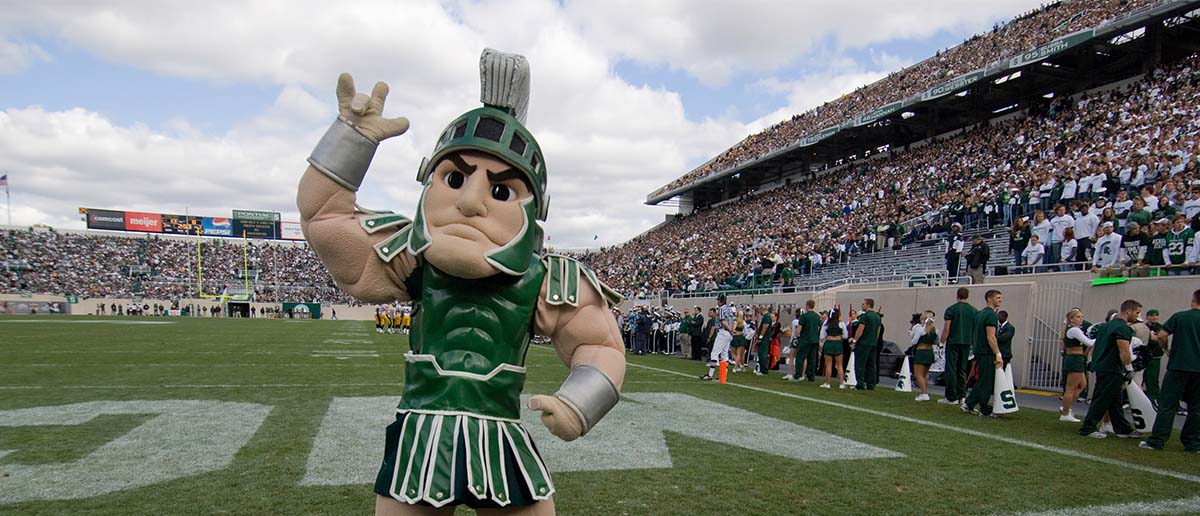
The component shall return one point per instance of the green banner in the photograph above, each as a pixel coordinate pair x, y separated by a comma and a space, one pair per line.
303, 310
1051, 48
952, 86
268, 216
880, 112
820, 135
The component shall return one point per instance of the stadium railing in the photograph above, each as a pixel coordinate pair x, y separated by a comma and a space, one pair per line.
926, 278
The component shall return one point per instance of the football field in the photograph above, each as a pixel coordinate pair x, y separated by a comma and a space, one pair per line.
106, 416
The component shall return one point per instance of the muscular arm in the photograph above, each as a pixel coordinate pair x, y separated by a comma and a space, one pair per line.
331, 227
991, 340
945, 330
584, 335
1123, 350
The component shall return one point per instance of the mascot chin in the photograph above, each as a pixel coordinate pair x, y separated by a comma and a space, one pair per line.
470, 262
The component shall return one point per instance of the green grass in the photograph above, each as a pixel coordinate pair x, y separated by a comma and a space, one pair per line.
942, 471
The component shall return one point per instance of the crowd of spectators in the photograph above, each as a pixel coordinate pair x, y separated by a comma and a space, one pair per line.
42, 260
1022, 33
1137, 141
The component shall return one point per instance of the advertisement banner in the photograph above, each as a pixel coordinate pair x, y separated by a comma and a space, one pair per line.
34, 307
290, 231
953, 85
255, 228
181, 224
268, 216
1051, 48
148, 222
105, 219
218, 227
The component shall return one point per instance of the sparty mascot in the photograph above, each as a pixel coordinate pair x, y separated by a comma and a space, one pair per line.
470, 262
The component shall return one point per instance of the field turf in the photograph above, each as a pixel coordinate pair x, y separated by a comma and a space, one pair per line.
943, 461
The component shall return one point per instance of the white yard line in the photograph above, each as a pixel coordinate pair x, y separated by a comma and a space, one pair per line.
314, 363
1179, 506
148, 352
976, 433
69, 321
259, 385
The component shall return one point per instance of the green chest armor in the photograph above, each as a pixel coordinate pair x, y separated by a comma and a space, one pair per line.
468, 340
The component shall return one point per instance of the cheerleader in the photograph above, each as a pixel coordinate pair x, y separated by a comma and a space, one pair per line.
924, 336
832, 334
1075, 344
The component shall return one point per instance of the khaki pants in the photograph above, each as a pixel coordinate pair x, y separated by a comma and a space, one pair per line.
685, 345
976, 275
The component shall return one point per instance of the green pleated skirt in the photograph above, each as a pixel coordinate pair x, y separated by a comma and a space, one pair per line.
1074, 363
461, 459
923, 356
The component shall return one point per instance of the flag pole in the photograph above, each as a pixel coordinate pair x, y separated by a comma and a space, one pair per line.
7, 199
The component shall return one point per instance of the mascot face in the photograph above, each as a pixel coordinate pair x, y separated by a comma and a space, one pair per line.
474, 205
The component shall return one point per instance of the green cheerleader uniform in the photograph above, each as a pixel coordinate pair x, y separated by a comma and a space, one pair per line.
1073, 363
833, 347
925, 356
739, 338
457, 438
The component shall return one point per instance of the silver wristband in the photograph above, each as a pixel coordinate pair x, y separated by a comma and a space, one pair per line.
590, 393
344, 154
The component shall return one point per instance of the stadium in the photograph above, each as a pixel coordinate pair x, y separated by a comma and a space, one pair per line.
1044, 173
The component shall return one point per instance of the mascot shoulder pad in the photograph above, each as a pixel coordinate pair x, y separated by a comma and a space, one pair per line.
399, 225
562, 281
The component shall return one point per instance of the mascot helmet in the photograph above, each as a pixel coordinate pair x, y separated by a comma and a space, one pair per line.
498, 129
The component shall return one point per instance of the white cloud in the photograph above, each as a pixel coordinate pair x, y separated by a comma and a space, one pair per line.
15, 57
713, 40
607, 142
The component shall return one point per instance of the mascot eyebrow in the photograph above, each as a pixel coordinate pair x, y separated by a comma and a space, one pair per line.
495, 177
463, 166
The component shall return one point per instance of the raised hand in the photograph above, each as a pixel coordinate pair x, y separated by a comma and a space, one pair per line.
365, 113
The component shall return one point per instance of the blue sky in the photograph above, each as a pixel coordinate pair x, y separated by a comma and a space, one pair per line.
157, 106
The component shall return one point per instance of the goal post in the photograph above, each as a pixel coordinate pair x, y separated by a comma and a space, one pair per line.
200, 271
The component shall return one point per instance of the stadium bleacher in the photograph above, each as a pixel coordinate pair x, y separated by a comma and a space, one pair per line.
98, 264
1022, 33
1121, 137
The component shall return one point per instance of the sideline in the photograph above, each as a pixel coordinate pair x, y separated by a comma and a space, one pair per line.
975, 433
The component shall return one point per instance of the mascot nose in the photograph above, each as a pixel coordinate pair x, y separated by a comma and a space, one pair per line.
471, 202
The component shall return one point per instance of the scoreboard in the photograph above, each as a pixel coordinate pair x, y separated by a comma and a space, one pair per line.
181, 224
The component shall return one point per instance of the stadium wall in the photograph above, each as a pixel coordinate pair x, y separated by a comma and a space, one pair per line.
1031, 301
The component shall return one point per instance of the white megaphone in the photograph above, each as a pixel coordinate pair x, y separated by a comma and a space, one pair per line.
1140, 407
1004, 396
904, 384
850, 380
